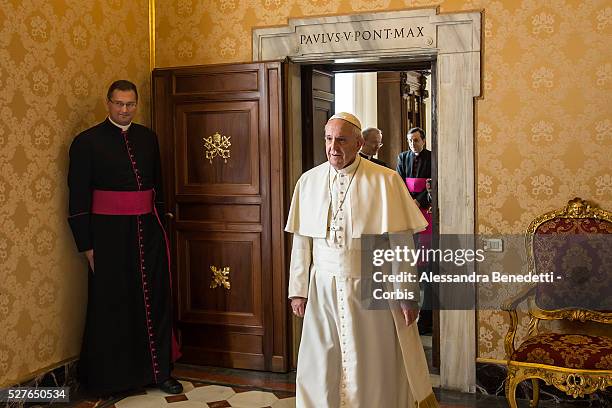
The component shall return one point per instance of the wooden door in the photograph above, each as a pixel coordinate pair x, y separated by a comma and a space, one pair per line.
220, 132
318, 105
401, 106
389, 112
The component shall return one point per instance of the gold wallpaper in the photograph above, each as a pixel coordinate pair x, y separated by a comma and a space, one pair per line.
544, 123
57, 58
544, 127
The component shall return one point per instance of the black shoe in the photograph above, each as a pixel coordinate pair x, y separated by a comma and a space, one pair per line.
171, 386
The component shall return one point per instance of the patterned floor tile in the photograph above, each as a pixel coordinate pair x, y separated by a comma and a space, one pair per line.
188, 404
176, 398
202, 395
253, 399
248, 378
285, 403
239, 390
91, 403
219, 404
245, 394
187, 386
283, 394
86, 404
142, 401
210, 393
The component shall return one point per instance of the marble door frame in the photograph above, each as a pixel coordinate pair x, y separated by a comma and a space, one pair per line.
454, 48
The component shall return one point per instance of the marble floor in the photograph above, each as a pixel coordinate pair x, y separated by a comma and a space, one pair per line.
210, 387
214, 387
202, 395
195, 395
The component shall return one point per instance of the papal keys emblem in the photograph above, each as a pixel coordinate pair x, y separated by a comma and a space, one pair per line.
217, 146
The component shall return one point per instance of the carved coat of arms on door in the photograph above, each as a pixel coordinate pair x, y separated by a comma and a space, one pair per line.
217, 146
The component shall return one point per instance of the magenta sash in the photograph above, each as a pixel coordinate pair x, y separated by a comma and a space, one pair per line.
417, 185
134, 203
122, 202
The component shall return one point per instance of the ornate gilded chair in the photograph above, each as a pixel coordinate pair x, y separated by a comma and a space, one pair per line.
575, 244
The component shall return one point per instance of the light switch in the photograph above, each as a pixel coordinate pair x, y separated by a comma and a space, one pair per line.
493, 244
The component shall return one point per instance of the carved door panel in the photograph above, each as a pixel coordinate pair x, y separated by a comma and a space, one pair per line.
220, 132
318, 105
390, 112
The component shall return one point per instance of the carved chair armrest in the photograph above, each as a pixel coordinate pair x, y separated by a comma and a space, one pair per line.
581, 315
510, 307
512, 303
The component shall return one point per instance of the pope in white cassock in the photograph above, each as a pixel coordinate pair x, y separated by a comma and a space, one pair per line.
350, 356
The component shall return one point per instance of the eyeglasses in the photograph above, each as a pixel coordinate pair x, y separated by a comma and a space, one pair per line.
120, 105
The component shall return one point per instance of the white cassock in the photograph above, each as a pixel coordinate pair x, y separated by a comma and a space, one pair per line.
350, 356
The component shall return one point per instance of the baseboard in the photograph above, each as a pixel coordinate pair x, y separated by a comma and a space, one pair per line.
40, 373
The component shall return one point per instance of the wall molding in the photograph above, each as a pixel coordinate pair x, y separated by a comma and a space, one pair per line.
32, 377
152, 33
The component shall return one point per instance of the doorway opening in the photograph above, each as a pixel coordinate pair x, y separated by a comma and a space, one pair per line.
392, 97
393, 100
452, 46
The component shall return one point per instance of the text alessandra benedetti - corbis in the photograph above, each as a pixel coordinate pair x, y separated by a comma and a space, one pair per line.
471, 277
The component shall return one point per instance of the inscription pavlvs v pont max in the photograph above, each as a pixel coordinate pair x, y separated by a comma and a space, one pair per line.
359, 35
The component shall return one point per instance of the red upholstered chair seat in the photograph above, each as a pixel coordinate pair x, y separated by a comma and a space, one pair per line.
567, 350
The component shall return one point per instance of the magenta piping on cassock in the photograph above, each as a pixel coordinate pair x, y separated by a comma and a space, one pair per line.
143, 276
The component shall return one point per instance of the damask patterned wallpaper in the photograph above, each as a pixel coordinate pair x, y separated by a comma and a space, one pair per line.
544, 126
57, 58
544, 123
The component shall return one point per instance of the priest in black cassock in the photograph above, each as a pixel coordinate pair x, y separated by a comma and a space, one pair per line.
115, 201
372, 142
414, 166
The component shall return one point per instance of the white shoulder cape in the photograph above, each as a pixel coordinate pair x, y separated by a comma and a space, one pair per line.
380, 203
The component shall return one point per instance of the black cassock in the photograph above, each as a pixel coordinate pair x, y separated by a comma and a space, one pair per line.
127, 339
407, 169
373, 159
